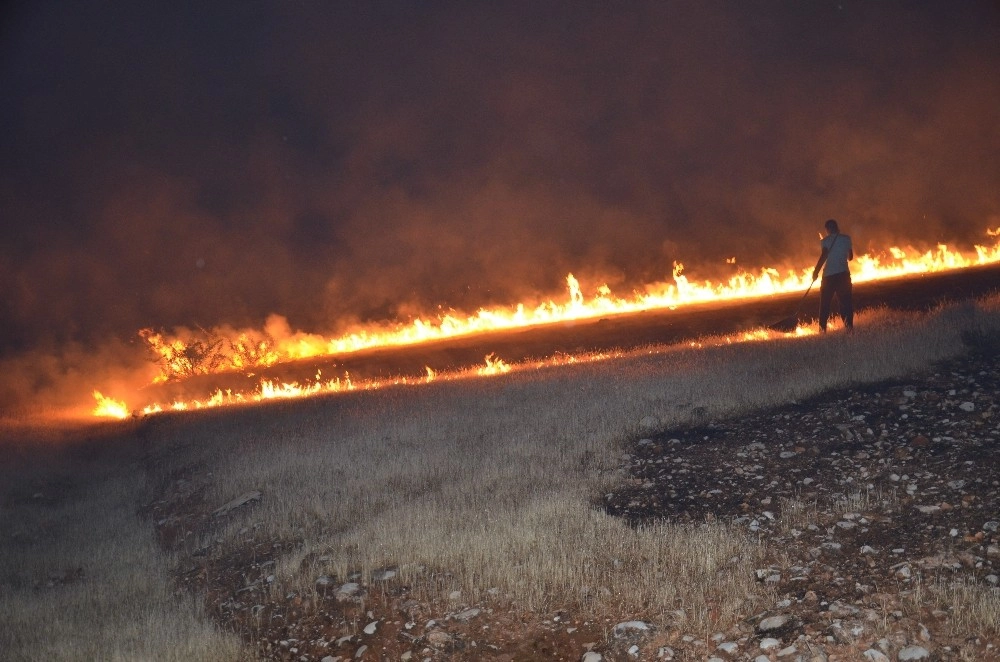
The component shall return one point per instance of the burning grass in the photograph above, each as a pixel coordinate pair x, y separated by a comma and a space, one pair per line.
480, 486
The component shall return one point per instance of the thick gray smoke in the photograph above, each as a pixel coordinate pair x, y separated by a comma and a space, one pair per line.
192, 163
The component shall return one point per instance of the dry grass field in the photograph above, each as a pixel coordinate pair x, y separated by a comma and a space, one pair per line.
474, 492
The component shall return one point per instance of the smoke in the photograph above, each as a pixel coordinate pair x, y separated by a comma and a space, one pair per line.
184, 164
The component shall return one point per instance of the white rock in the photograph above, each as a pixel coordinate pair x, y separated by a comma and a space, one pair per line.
591, 656
350, 588
627, 627
371, 627
966, 406
913, 653
361, 652
241, 500
773, 622
649, 423
729, 647
787, 651
762, 658
769, 643
384, 574
633, 650
438, 638
875, 656
467, 615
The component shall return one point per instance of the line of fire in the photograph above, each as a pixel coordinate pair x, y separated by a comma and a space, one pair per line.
232, 368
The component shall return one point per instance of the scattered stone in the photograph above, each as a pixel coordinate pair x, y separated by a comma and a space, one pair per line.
630, 627
729, 647
385, 574
348, 591
241, 500
913, 653
438, 638
774, 622
467, 614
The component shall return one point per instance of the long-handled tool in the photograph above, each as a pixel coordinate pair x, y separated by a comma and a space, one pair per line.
789, 324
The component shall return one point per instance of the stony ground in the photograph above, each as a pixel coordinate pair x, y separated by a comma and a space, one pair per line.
868, 498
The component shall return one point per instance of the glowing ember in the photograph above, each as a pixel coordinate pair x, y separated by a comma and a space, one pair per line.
190, 353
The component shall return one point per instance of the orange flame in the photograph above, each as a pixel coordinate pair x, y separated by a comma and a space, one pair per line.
109, 408
190, 353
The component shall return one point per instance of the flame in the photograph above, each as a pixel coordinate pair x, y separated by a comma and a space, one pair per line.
188, 353
203, 352
109, 408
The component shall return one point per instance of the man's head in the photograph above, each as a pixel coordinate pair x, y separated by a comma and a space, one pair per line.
831, 227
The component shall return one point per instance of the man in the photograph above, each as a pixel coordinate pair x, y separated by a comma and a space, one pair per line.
836, 253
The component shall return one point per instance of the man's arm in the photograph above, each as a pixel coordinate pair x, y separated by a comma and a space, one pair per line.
819, 263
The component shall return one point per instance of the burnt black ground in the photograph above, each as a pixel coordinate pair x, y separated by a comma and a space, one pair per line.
864, 495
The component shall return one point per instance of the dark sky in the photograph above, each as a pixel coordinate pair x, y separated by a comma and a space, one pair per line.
183, 163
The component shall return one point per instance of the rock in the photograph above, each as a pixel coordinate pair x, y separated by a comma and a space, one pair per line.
769, 643
591, 656
913, 653
630, 627
241, 500
467, 614
774, 622
649, 423
361, 651
371, 627
438, 638
875, 656
384, 574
